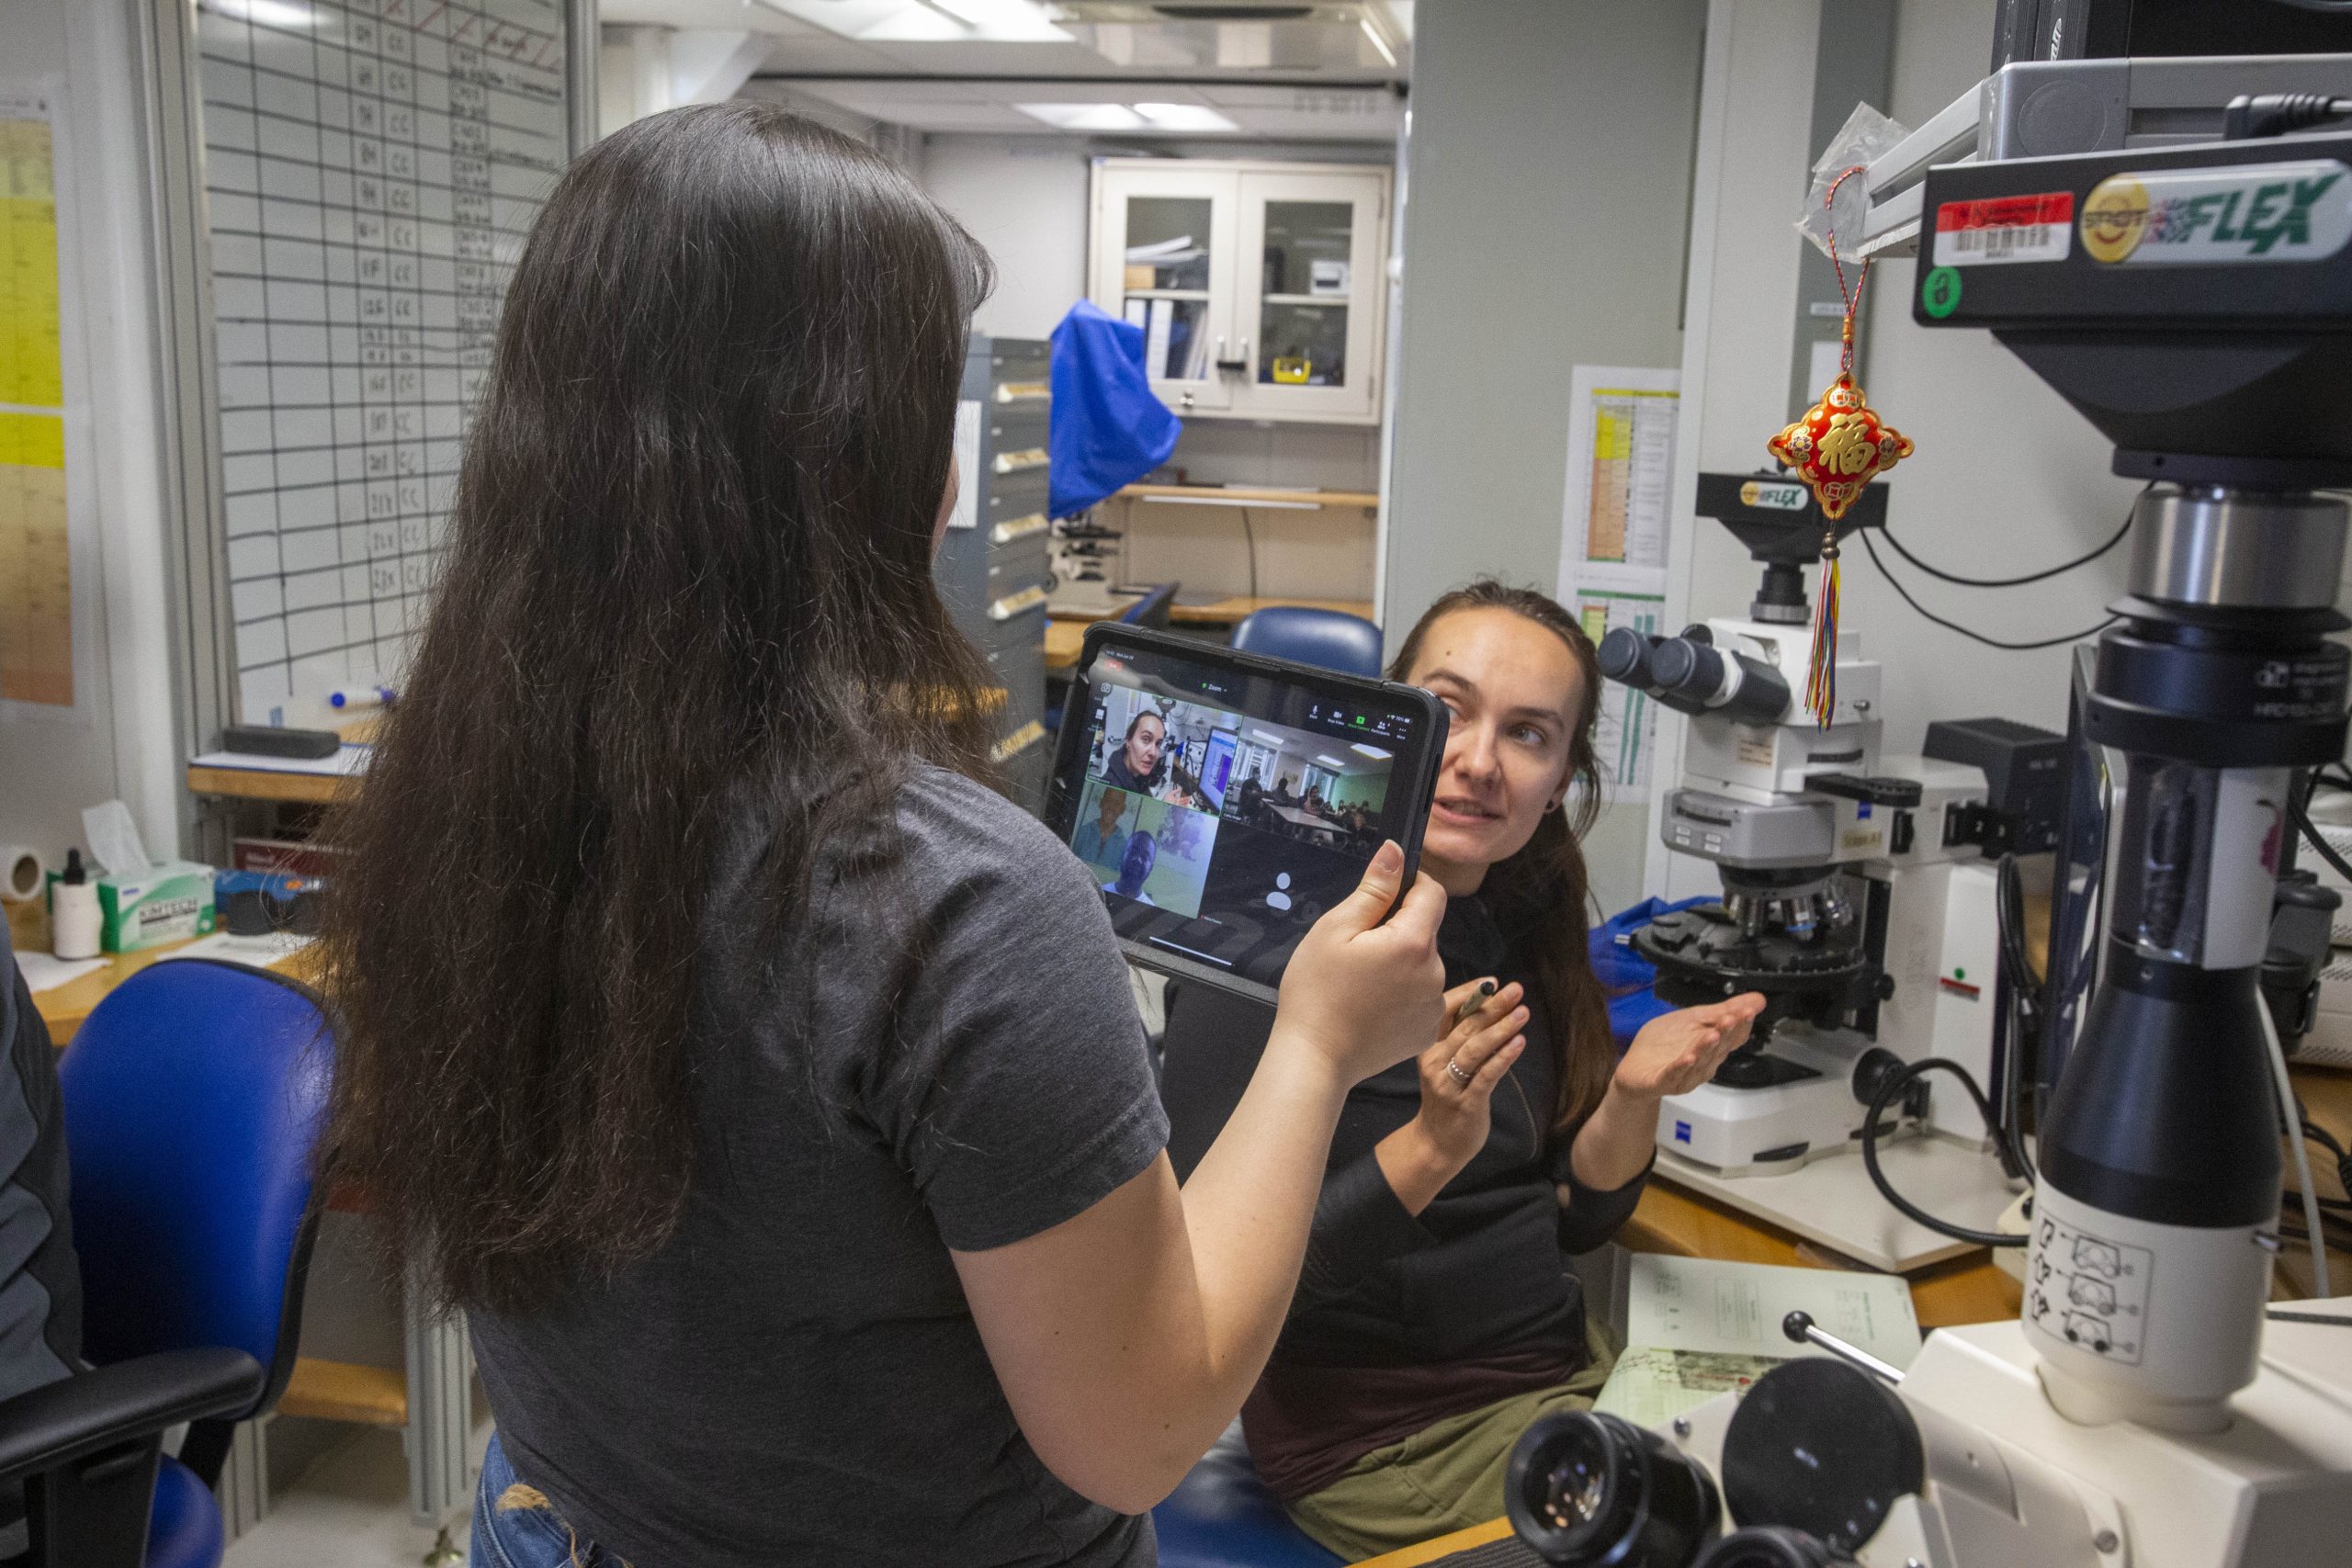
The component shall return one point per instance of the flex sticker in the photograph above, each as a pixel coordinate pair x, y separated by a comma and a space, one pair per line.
2261, 212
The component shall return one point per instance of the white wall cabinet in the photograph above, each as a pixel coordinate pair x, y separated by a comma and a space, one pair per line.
1260, 287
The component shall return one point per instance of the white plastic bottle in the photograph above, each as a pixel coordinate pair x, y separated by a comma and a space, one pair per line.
73, 911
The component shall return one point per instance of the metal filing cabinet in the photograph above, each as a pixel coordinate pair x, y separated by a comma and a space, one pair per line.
992, 565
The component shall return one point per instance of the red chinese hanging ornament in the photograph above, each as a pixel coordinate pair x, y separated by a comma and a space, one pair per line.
1837, 447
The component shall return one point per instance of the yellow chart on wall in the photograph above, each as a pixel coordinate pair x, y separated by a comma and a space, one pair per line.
35, 576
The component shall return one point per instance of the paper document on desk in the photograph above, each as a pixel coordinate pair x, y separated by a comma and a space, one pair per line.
1650, 1386
264, 952
1735, 1309
43, 973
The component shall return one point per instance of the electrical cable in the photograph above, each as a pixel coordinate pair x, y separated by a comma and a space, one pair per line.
2292, 1113
1943, 576
2009, 919
1886, 1092
2311, 836
1250, 535
1896, 583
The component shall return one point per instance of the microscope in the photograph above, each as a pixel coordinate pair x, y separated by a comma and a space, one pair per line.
2192, 297
1859, 896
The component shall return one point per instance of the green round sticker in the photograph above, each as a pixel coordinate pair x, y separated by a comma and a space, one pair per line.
1939, 291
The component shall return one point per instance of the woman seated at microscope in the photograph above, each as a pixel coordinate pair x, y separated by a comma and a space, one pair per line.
1436, 1317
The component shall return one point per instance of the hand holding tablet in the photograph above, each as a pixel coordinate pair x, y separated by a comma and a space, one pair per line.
1224, 802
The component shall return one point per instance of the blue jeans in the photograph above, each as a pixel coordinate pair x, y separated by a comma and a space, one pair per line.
530, 1536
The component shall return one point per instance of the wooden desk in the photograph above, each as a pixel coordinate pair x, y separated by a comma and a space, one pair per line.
1244, 495
66, 1008
1444, 1545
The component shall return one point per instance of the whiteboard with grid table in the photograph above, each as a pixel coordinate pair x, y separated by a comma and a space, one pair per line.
371, 167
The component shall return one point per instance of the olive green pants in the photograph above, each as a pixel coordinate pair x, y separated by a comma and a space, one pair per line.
1448, 1476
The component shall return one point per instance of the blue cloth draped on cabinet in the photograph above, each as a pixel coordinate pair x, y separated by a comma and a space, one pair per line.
1108, 427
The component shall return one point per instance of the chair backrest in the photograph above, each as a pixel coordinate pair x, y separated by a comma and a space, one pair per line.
194, 1094
1150, 611
1328, 639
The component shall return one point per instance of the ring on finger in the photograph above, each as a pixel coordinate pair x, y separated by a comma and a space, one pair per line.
1456, 1068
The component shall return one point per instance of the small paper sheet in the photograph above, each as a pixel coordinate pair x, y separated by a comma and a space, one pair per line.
1650, 1386
43, 973
255, 951
1735, 1309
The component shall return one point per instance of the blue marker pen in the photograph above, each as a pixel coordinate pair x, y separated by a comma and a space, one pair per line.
361, 697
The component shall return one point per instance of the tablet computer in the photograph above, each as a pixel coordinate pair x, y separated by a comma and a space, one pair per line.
1224, 801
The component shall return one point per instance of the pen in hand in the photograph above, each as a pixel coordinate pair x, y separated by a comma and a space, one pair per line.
1461, 1014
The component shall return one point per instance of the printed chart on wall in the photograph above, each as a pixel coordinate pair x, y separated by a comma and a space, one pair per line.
1613, 539
36, 539
372, 168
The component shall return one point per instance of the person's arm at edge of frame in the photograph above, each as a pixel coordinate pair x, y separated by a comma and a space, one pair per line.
1125, 1339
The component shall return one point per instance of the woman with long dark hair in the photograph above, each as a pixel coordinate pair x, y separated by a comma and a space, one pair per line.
1436, 1317
767, 1090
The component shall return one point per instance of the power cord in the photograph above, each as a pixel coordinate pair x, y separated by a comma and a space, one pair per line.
1943, 576
2318, 1134
1894, 1085
1895, 583
2025, 1010
2311, 836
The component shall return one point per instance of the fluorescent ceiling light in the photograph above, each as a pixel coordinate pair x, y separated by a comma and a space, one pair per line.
1084, 116
1277, 741
269, 13
1374, 752
927, 21
1184, 117
1129, 117
1378, 42
1329, 762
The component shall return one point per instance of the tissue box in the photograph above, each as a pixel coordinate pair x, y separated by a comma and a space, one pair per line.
168, 902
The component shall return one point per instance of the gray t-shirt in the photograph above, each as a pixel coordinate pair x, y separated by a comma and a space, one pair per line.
796, 1377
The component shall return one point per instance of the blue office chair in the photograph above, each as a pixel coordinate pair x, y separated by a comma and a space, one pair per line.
1222, 1516
1325, 638
193, 1096
1150, 611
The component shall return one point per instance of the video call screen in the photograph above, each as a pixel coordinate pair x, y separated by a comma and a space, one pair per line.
1222, 812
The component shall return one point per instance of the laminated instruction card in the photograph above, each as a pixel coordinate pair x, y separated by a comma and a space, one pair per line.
1698, 1327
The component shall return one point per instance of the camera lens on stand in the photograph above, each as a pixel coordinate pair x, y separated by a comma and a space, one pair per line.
1587, 1489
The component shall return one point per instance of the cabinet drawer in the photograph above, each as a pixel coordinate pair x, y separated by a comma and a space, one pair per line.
1007, 496
1023, 560
1015, 430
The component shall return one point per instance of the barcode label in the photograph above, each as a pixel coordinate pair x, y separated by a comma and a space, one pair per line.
2006, 228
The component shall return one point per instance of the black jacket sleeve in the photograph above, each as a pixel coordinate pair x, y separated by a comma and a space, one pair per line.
1358, 1222
1592, 1217
1212, 1046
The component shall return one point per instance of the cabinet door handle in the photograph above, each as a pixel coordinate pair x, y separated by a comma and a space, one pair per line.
1232, 365
1012, 604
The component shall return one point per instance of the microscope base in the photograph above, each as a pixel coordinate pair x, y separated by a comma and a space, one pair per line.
1773, 1128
